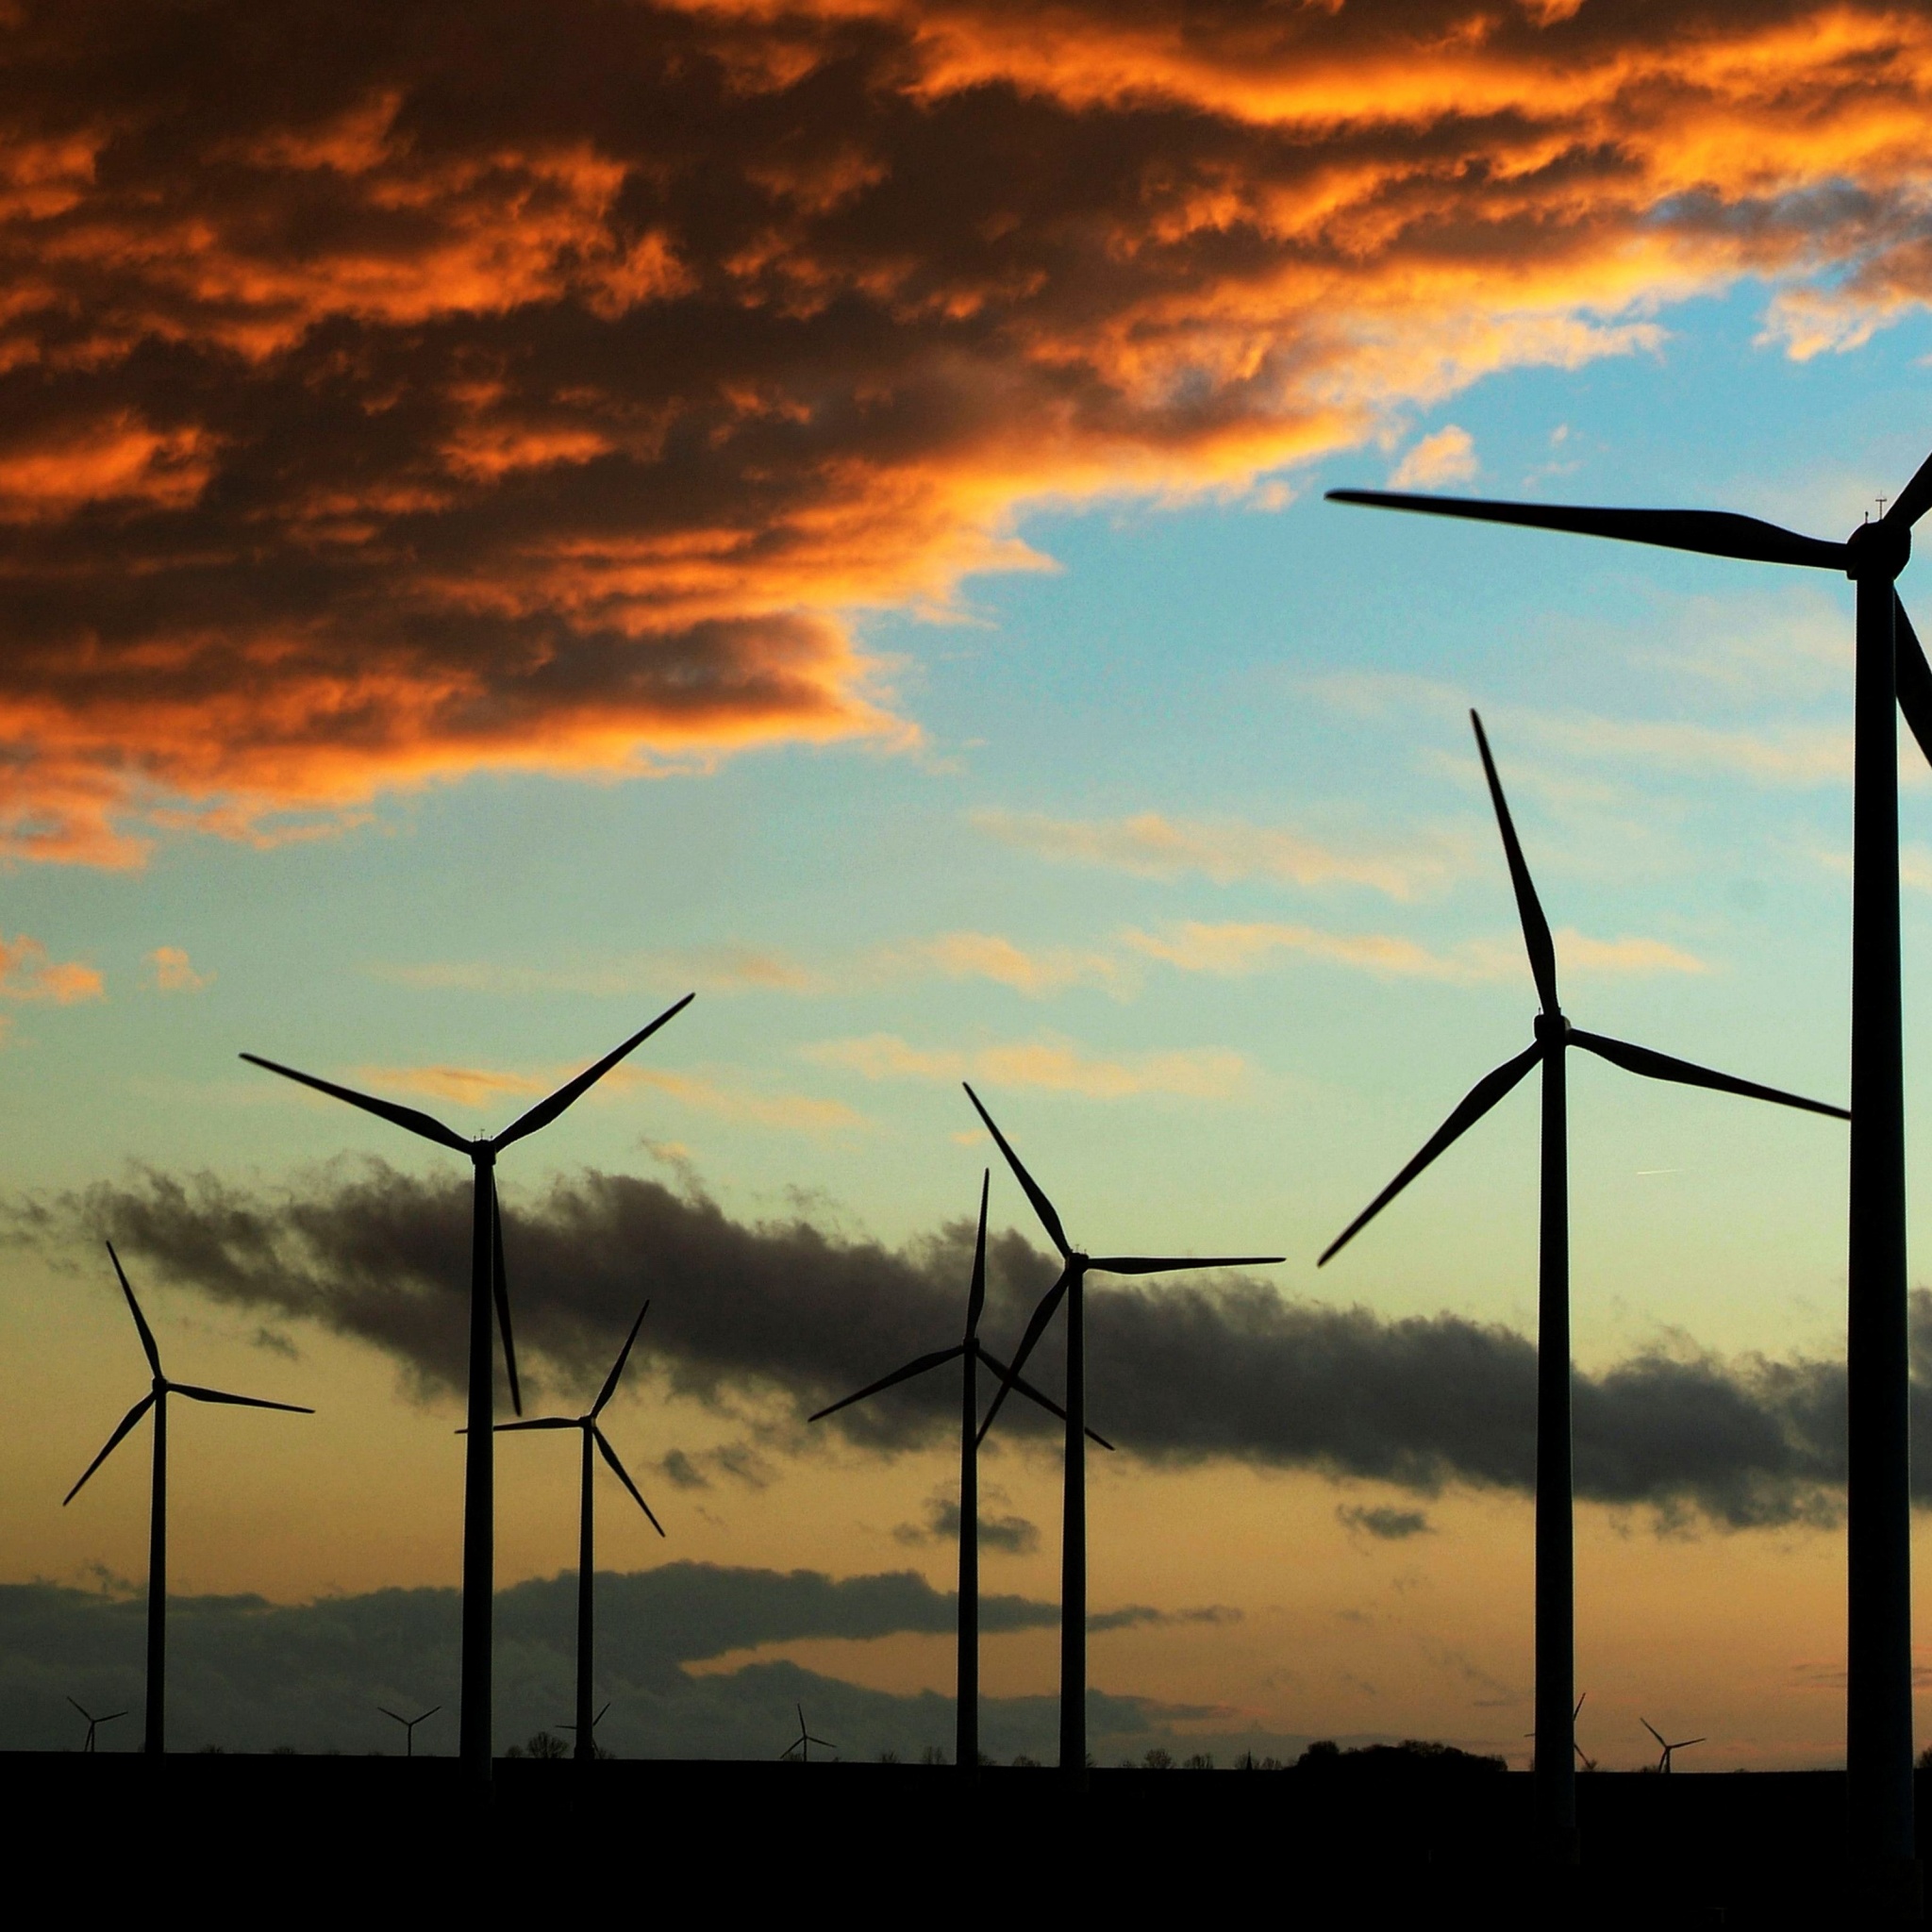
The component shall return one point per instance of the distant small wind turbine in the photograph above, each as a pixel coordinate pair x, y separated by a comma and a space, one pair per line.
587, 1556
1663, 1763
803, 1742
969, 1354
93, 1723
594, 1723
1072, 1288
488, 1289
157, 1399
408, 1725
1556, 1558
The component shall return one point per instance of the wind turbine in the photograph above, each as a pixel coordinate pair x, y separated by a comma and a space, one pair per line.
408, 1725
1663, 1763
803, 1742
487, 1287
157, 1399
1891, 667
93, 1723
969, 1354
594, 1723
1072, 1288
586, 1574
1556, 1580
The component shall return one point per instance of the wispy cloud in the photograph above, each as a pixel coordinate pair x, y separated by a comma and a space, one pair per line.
1447, 457
710, 969
478, 1087
26, 974
987, 955
174, 972
1151, 845
1770, 754
1233, 950
1057, 1065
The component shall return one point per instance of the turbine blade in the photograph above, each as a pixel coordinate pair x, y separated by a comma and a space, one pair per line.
1529, 910
1042, 1206
1914, 500
609, 1388
1474, 1105
1661, 1066
127, 1422
86, 1714
546, 1110
542, 1421
975, 1296
1709, 532
600, 1717
429, 1713
413, 1118
1049, 1302
147, 1334
387, 1712
195, 1394
1033, 1394
1653, 1730
499, 1289
916, 1366
1913, 676
1685, 1744
1175, 1264
624, 1476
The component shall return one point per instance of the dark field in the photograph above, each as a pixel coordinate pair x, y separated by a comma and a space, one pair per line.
877, 1842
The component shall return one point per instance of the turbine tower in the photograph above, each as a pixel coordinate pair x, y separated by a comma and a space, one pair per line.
1891, 668
93, 1723
969, 1354
157, 1399
408, 1725
1072, 1288
487, 1289
803, 1742
587, 1569
1555, 1579
1663, 1763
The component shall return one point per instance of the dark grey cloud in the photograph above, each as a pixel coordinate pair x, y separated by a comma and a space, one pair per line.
1010, 1535
1391, 1526
251, 1675
1142, 1616
1219, 1368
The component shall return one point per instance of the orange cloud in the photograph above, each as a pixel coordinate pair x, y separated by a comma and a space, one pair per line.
515, 388
28, 974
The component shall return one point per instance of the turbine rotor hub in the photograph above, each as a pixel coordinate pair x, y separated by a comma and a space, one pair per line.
1879, 550
1553, 1029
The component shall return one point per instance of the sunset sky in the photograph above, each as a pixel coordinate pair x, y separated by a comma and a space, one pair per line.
510, 514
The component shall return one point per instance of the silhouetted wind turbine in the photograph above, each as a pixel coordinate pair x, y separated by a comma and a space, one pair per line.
1663, 1763
1072, 1288
487, 1289
594, 1723
93, 1723
803, 1742
969, 1354
408, 1725
1889, 666
157, 1399
587, 1570
1556, 1582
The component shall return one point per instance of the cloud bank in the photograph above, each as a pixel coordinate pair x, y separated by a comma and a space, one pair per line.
395, 393
250, 1676
774, 1319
